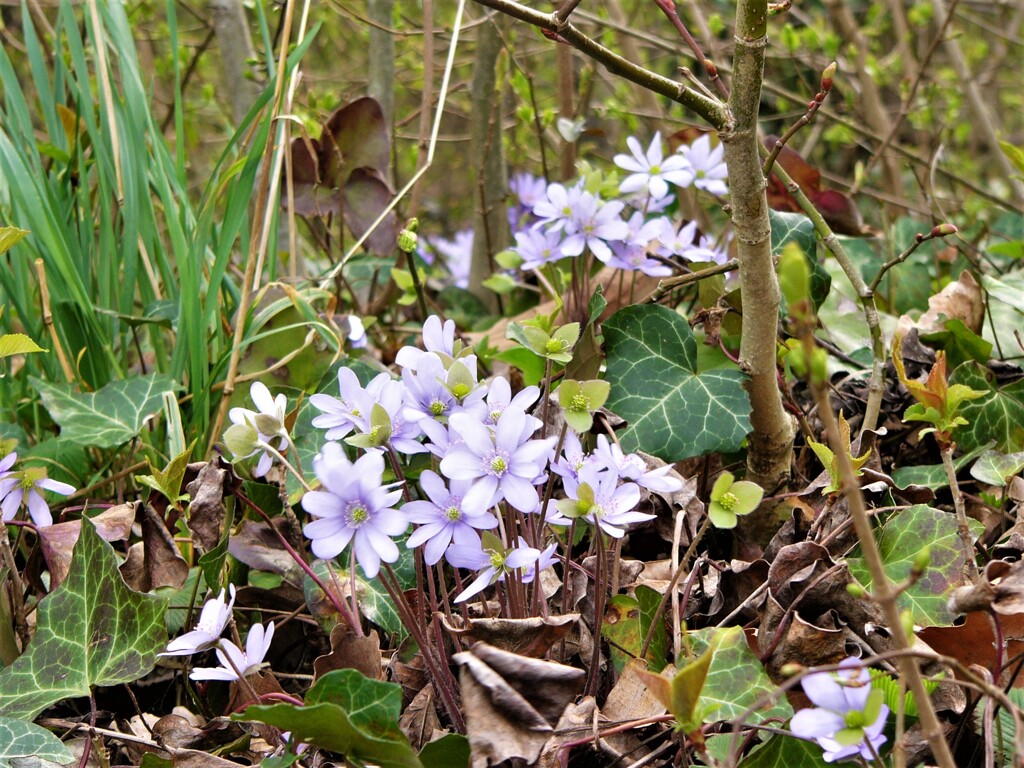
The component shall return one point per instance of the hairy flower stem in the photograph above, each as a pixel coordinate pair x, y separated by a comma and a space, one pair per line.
962, 527
882, 589
600, 588
17, 590
437, 667
284, 462
339, 606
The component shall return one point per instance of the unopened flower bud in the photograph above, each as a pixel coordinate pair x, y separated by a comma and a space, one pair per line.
941, 230
792, 668
922, 561
856, 590
827, 77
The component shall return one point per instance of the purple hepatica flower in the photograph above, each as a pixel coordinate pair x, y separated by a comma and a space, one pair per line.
501, 466
268, 406
545, 560
597, 497
28, 485
673, 241
445, 518
652, 171
707, 250
572, 458
597, 223
529, 190
426, 395
212, 621
349, 411
499, 397
439, 438
438, 338
457, 254
558, 208
354, 507
631, 467
537, 247
234, 660
848, 717
634, 258
708, 166
491, 560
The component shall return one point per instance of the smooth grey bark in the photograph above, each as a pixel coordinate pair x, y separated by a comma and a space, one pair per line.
487, 160
236, 51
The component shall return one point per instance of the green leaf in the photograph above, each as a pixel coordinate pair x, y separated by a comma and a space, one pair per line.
17, 344
1004, 729
997, 468
167, 482
786, 752
20, 740
997, 415
674, 410
960, 343
797, 228
1014, 154
901, 540
10, 237
374, 601
347, 713
450, 751
934, 475
109, 417
626, 624
736, 679
93, 630
530, 363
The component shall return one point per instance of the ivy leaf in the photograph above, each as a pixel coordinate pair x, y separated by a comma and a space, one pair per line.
997, 415
786, 752
93, 630
626, 623
736, 679
901, 540
108, 417
674, 410
20, 740
347, 713
797, 228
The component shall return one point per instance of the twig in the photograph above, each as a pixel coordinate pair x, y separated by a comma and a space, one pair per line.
940, 230
805, 119
670, 284
962, 528
561, 17
669, 9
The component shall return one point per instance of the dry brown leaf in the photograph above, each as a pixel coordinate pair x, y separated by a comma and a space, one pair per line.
961, 300
57, 541
512, 702
349, 651
155, 561
206, 508
419, 720
527, 637
575, 723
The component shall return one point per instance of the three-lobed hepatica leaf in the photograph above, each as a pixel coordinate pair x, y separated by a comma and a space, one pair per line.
901, 540
108, 417
20, 740
347, 713
674, 410
92, 631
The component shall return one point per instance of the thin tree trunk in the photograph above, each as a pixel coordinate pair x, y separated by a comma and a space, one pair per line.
490, 228
236, 51
382, 56
771, 441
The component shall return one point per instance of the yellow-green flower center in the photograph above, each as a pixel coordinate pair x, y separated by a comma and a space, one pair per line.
452, 513
728, 500
655, 170
497, 559
554, 345
855, 719
579, 403
498, 465
437, 407
358, 515
460, 390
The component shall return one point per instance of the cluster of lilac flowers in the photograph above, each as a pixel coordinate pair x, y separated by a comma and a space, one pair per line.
489, 455
554, 221
27, 486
